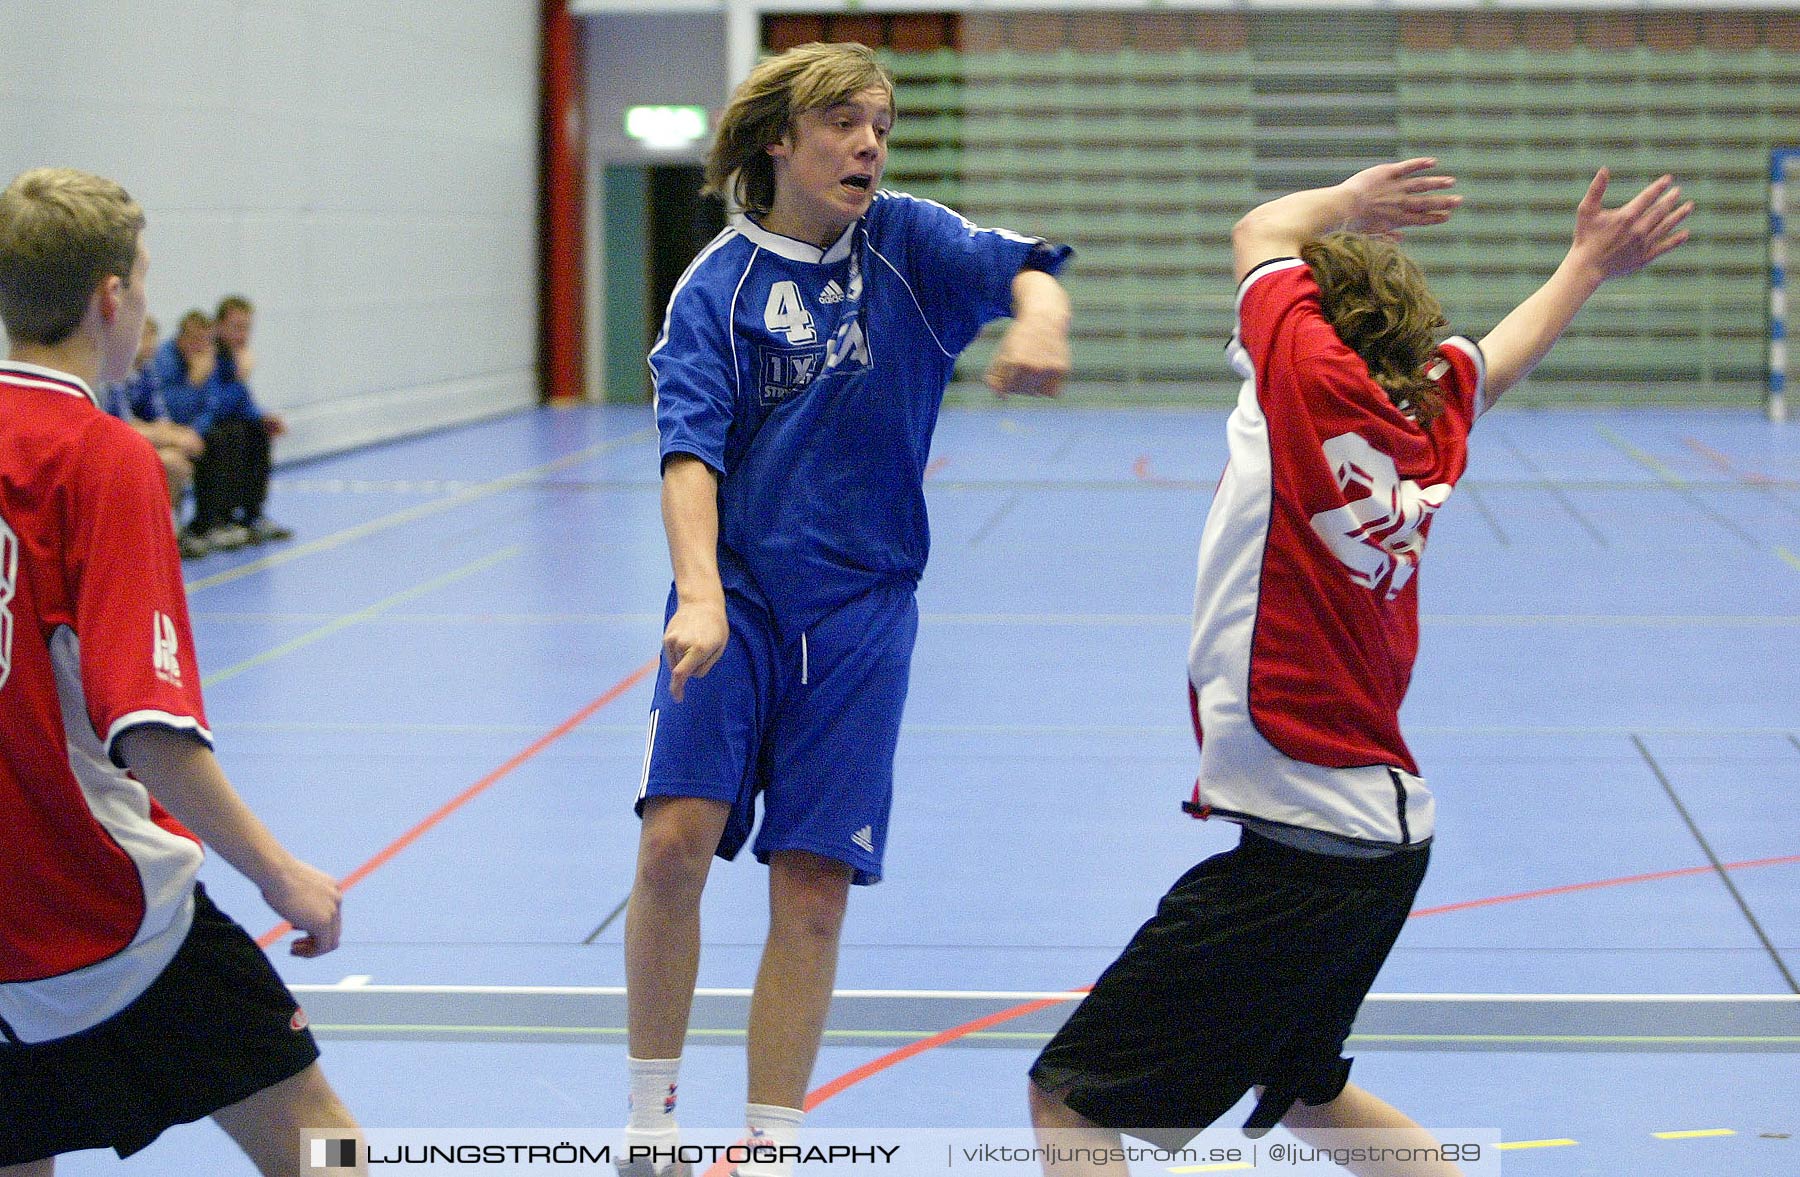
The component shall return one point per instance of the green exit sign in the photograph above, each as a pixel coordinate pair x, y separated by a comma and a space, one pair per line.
666, 126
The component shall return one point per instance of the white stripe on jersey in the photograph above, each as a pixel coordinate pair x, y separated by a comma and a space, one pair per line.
923, 317
166, 863
1008, 234
133, 719
1473, 350
712, 247
19, 373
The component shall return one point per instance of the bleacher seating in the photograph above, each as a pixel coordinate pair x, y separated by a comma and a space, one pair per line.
1143, 160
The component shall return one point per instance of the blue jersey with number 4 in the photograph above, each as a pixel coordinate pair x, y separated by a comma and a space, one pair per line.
810, 379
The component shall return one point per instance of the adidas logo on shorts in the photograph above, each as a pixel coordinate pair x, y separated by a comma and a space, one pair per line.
865, 838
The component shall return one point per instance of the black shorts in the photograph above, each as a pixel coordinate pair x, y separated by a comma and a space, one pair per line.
1250, 973
215, 1027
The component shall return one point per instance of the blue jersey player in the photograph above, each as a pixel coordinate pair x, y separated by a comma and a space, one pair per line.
798, 378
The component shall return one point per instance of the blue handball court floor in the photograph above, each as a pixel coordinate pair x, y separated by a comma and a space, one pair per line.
438, 693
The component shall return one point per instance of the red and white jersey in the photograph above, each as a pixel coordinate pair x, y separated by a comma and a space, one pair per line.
96, 879
1306, 614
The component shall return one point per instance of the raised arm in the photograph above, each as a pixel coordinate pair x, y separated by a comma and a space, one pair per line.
696, 635
1381, 200
1033, 358
1609, 243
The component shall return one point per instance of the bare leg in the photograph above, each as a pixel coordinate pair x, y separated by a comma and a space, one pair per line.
273, 1126
1358, 1109
662, 923
807, 896
1074, 1145
43, 1168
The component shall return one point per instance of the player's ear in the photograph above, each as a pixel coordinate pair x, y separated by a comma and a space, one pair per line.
105, 302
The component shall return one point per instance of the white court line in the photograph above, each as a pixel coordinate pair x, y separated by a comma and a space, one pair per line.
1057, 619
361, 983
413, 514
1025, 729
346, 620
1436, 619
445, 618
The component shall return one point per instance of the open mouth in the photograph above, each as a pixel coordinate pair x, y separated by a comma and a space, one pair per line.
862, 182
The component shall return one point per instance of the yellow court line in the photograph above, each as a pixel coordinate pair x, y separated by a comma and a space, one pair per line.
1787, 555
1694, 1133
349, 619
1558, 1142
1662, 471
422, 511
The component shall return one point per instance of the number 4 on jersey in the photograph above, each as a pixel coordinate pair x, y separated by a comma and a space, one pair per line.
787, 313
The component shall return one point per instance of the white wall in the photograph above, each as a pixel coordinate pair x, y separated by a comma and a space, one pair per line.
366, 172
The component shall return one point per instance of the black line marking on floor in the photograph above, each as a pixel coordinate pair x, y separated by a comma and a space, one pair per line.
993, 521
1492, 520
1556, 493
607, 922
1723, 520
1717, 865
1678, 484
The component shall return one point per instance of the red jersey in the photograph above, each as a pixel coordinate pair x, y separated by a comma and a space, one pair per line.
94, 640
1306, 610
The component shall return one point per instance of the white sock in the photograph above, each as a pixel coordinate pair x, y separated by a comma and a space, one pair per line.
778, 1126
652, 1123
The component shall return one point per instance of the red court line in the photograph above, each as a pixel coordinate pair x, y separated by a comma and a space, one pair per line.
1724, 462
852, 1077
475, 790
1570, 888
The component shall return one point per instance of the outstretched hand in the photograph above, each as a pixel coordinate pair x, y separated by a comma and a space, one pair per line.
1033, 359
1623, 240
1393, 196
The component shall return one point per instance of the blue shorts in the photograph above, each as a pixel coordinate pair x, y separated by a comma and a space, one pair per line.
807, 720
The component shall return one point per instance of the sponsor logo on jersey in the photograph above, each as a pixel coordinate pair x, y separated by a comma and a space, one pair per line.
848, 347
785, 372
865, 838
165, 649
9, 581
832, 293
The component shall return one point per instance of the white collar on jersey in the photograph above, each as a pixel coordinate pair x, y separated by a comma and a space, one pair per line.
51, 379
792, 248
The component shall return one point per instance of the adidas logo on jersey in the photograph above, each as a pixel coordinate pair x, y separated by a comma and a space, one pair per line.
865, 838
832, 293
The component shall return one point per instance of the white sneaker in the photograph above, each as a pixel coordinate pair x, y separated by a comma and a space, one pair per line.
227, 537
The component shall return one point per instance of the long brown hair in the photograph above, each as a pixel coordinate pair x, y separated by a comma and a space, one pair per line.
1376, 298
806, 77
